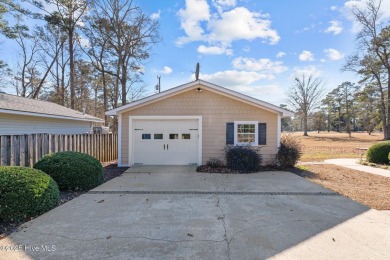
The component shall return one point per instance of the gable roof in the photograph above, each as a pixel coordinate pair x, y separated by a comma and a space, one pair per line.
11, 104
207, 85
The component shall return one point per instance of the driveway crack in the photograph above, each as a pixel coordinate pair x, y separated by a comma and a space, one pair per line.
222, 218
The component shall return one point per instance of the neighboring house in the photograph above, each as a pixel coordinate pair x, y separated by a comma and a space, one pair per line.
19, 115
192, 123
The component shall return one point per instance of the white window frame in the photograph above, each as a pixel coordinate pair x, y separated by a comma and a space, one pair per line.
236, 123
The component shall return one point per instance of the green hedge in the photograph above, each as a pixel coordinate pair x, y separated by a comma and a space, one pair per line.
244, 159
379, 153
72, 170
25, 193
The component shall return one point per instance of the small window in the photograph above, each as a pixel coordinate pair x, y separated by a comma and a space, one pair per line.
173, 136
185, 136
245, 132
158, 136
146, 136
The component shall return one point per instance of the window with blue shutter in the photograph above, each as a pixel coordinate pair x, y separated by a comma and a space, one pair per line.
262, 134
246, 133
229, 133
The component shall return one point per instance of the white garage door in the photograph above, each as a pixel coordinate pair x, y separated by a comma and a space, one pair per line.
165, 142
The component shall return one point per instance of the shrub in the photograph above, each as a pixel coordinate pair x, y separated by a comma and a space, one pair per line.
243, 159
379, 153
214, 163
289, 151
25, 193
72, 170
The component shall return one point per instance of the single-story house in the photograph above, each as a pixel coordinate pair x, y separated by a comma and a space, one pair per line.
193, 123
19, 115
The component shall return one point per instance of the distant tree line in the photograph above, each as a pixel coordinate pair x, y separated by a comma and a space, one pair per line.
83, 54
350, 107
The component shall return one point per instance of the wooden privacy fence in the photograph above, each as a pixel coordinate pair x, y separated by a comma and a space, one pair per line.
25, 150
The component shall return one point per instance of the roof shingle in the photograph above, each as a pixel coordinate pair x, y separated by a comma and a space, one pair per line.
14, 104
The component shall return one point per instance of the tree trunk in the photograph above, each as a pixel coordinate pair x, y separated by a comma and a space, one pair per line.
71, 70
387, 129
123, 84
339, 126
305, 124
328, 122
105, 106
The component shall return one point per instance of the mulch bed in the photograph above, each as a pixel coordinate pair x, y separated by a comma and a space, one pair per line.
111, 170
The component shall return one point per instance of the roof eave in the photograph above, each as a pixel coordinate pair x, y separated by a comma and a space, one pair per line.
259, 103
16, 112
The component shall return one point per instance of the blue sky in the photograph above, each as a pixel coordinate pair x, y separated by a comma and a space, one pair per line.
254, 47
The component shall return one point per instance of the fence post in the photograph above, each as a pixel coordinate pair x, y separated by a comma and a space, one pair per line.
3, 150
22, 150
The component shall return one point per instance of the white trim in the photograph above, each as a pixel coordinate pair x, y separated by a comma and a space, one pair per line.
256, 123
120, 142
279, 131
131, 118
13, 112
207, 85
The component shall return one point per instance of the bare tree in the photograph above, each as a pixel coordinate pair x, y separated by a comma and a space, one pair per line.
374, 42
55, 60
129, 34
5, 74
34, 68
305, 95
97, 50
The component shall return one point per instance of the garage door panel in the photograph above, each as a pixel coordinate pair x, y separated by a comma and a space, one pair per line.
165, 142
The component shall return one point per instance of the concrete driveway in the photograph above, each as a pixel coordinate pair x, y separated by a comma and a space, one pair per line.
176, 213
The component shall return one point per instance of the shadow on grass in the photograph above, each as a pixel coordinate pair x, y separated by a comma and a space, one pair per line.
347, 139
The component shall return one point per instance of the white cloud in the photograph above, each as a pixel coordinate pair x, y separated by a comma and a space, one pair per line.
214, 50
335, 27
306, 56
246, 49
350, 5
280, 54
333, 54
227, 25
241, 24
85, 43
259, 91
308, 70
223, 4
260, 65
195, 12
166, 70
231, 78
155, 16
333, 8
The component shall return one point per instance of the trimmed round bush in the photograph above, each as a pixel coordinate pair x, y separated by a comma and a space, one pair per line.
72, 170
379, 153
244, 159
25, 193
289, 151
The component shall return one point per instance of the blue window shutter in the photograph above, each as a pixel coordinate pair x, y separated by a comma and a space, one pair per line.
262, 134
229, 133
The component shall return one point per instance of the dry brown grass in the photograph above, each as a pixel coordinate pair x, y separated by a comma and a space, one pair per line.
322, 146
368, 189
